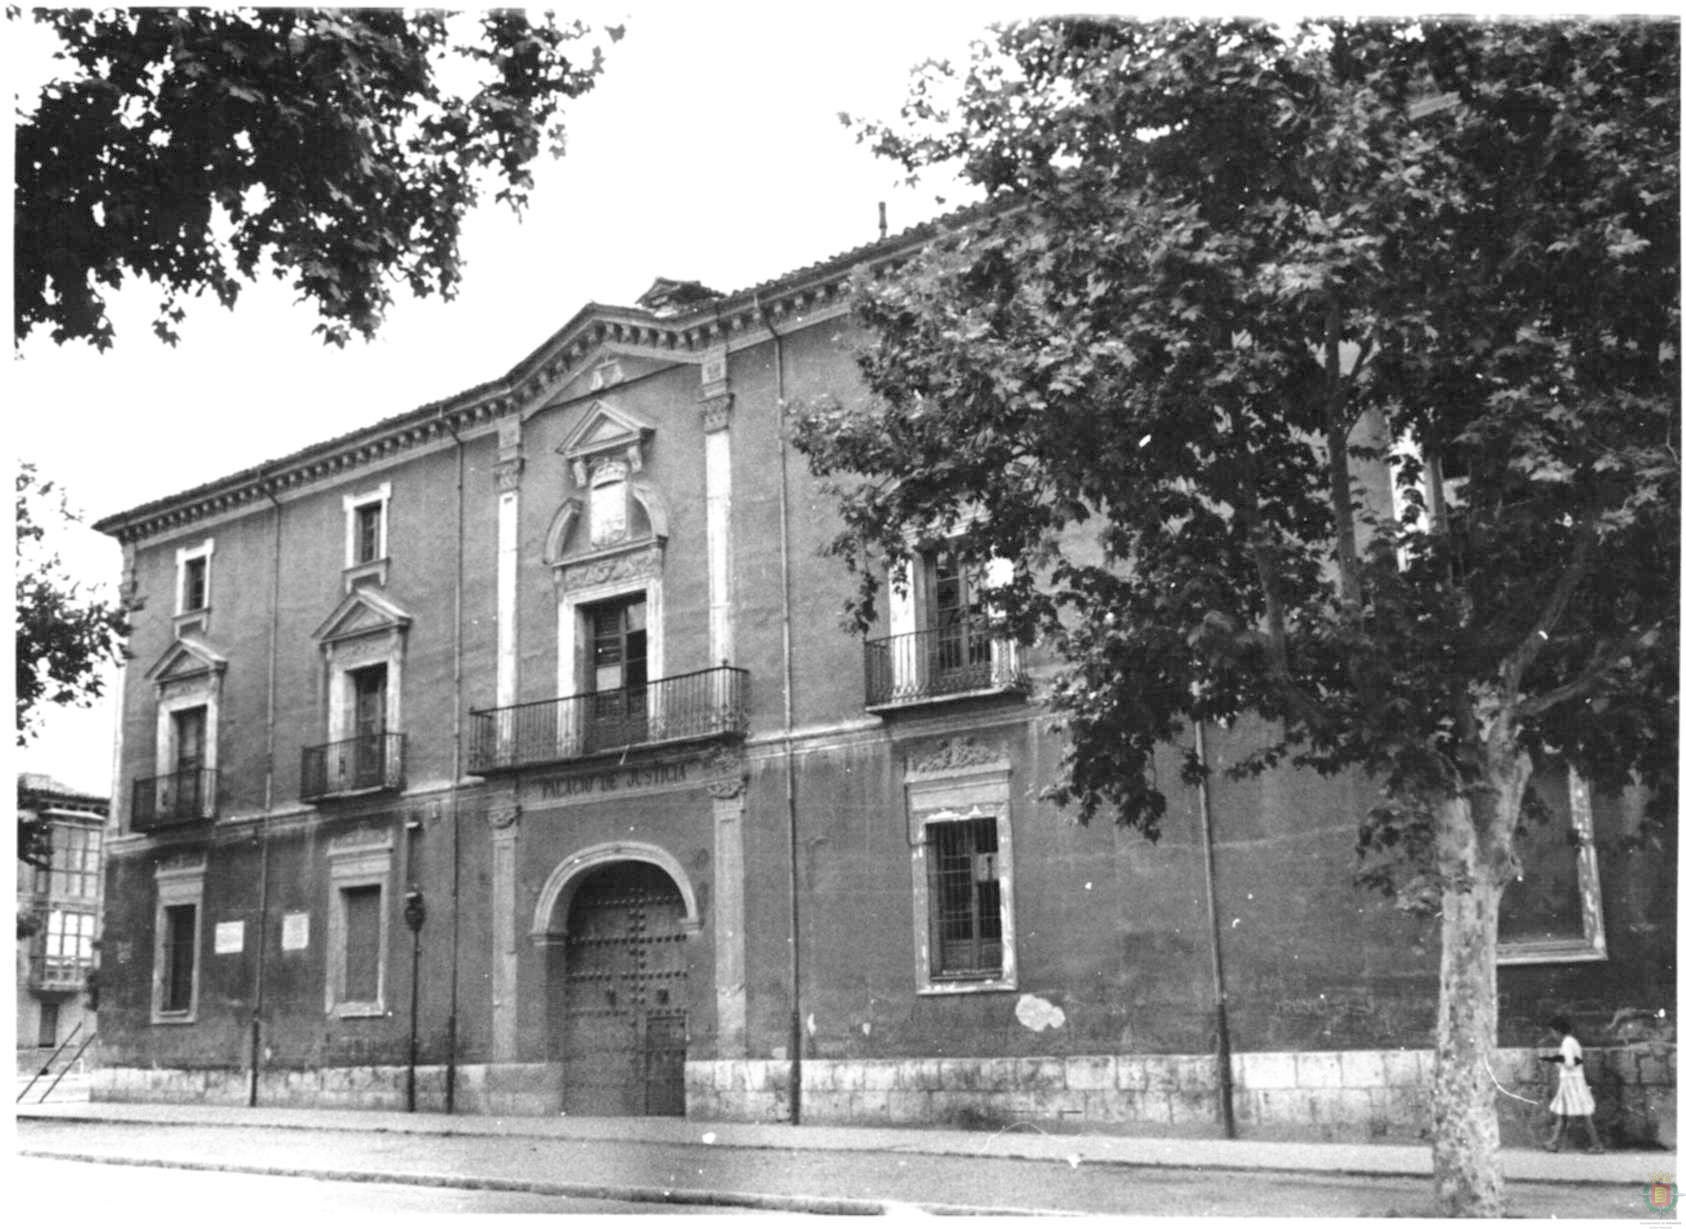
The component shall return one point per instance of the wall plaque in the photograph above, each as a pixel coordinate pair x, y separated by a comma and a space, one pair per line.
295, 932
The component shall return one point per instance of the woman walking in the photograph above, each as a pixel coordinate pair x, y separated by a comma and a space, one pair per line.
1574, 1098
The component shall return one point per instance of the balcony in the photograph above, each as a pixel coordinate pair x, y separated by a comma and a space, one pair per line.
55, 974
943, 663
360, 765
707, 704
176, 798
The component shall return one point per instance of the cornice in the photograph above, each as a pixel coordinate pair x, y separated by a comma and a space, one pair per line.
799, 299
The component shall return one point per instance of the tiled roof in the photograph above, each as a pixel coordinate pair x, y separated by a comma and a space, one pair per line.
41, 784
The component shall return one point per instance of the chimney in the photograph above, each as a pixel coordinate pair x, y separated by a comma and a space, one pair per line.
883, 221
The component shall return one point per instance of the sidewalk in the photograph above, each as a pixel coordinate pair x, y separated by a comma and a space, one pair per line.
1632, 1169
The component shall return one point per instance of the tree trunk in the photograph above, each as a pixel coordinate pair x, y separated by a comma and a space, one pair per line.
1467, 1180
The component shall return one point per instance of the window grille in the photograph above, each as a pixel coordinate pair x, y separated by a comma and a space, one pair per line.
965, 899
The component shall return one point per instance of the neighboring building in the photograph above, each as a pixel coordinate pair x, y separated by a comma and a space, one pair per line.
61, 901
563, 656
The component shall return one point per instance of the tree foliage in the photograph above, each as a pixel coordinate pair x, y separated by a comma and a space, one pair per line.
1227, 277
64, 638
340, 148
1217, 247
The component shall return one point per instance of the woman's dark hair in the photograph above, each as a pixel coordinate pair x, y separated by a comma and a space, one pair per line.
1561, 1024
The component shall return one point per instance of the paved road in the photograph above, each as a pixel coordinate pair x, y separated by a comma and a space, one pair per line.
664, 1175
145, 1186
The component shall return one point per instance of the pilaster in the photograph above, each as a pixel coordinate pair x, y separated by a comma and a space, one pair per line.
504, 817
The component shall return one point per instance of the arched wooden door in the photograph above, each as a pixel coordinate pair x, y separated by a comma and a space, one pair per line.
623, 1016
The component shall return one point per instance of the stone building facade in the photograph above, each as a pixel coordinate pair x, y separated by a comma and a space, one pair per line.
520, 736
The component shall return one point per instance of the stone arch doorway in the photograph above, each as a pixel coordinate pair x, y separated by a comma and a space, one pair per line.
618, 977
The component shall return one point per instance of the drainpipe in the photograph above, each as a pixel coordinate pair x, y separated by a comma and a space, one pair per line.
1226, 1078
456, 778
789, 723
268, 800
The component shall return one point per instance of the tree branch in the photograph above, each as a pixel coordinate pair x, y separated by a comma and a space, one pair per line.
1583, 683
1520, 658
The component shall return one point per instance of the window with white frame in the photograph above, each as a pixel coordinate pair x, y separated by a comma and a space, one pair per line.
1553, 911
940, 640
366, 523
359, 875
75, 866
193, 586
177, 927
960, 832
68, 946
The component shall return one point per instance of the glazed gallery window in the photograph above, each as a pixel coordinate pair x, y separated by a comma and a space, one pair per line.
963, 859
68, 948
75, 867
176, 934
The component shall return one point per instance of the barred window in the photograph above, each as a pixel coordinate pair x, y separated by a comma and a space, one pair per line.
965, 899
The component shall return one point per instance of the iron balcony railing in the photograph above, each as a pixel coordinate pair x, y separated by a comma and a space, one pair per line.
353, 765
175, 798
705, 704
962, 658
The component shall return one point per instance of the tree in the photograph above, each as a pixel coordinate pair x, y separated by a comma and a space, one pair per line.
64, 638
340, 147
1221, 273
63, 642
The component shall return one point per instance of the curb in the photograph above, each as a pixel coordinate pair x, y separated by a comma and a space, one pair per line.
1147, 1153
823, 1205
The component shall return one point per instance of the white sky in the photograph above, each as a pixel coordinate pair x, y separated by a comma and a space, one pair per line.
710, 149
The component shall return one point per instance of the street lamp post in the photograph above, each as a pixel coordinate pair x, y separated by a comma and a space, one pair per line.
415, 913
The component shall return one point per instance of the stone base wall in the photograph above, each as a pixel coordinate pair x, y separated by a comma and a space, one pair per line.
1354, 1095
531, 1089
1331, 1095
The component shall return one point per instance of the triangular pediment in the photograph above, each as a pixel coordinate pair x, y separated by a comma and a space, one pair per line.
187, 657
602, 370
605, 427
362, 612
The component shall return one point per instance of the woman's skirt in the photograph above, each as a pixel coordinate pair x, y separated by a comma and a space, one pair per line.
1573, 1098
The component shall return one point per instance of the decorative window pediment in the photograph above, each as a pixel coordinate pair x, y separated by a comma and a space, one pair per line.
362, 612
605, 433
187, 658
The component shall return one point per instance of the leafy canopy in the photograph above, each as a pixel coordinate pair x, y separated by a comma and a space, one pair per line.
64, 639
1226, 276
342, 147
